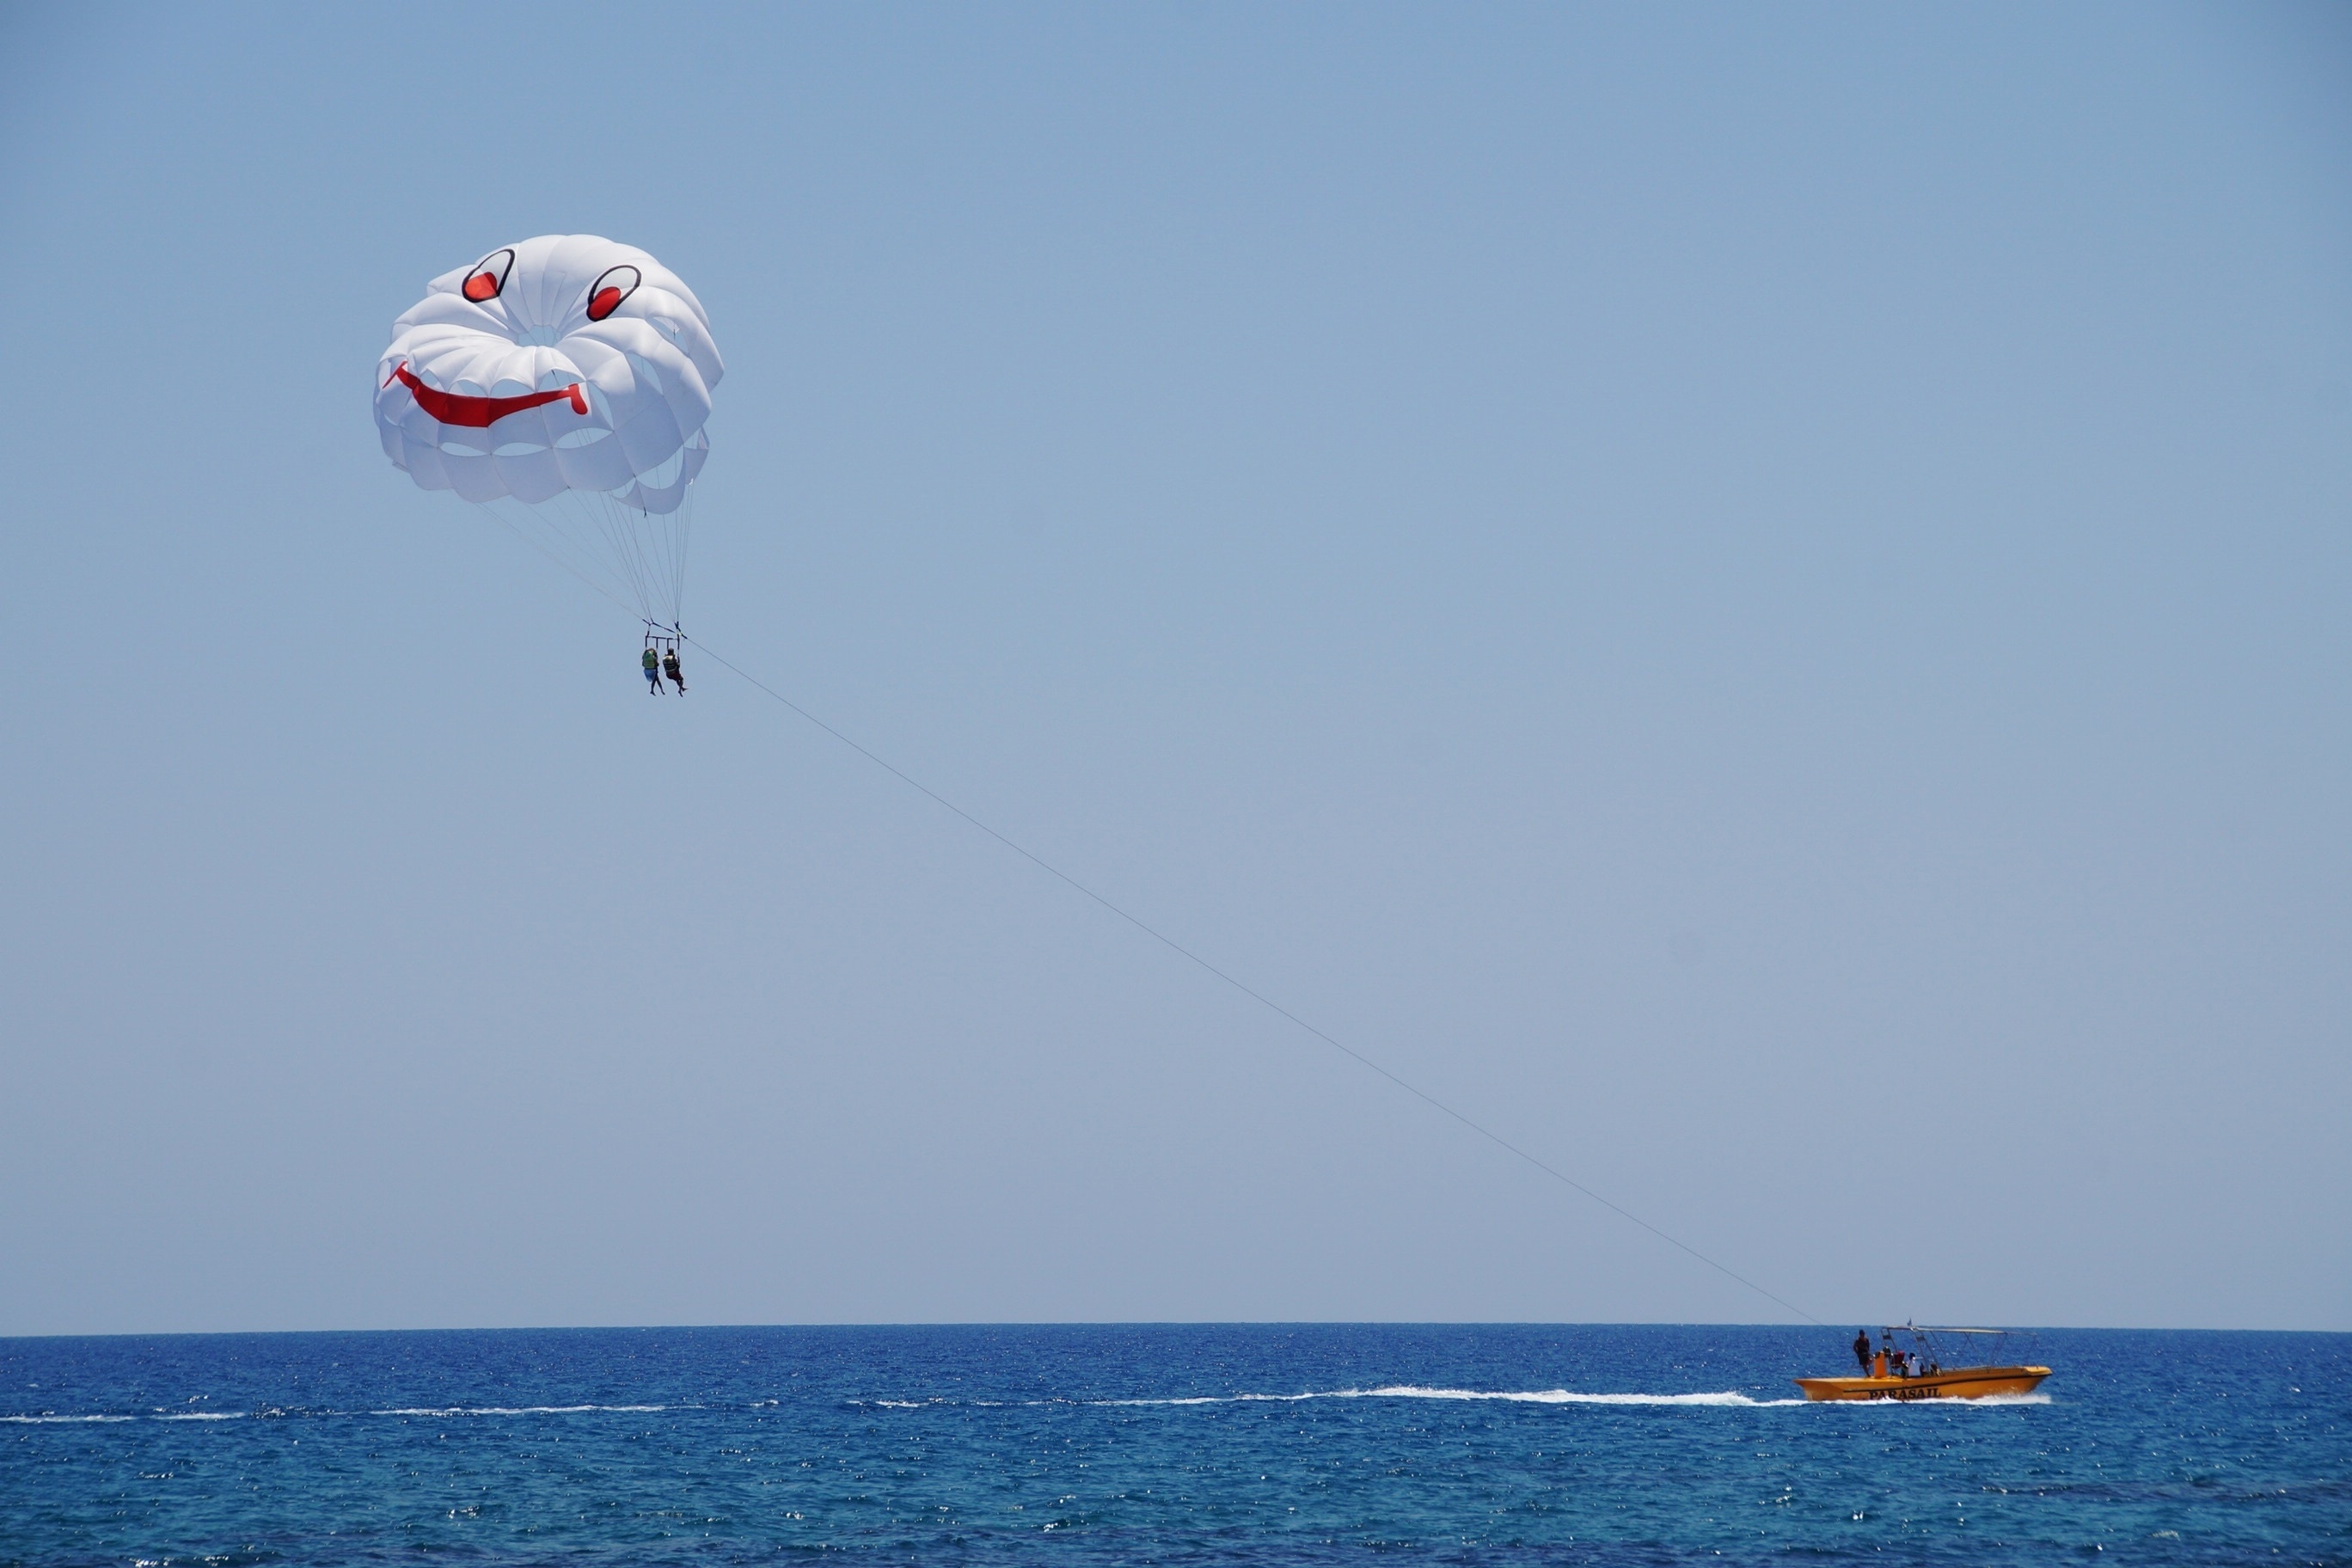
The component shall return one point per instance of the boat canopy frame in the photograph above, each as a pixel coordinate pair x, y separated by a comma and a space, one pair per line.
1925, 1335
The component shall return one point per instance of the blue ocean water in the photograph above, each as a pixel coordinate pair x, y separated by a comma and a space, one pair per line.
1164, 1444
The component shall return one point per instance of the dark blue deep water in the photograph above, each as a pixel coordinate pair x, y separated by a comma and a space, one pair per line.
1321, 1444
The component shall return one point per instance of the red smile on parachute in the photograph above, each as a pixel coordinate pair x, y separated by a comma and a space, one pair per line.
480, 412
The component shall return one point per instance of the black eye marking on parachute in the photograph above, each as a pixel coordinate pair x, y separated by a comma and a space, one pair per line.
615, 284
488, 281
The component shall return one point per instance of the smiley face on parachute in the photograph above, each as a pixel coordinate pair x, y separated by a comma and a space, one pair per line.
564, 363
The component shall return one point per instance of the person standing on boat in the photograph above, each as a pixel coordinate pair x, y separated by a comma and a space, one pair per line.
1861, 1350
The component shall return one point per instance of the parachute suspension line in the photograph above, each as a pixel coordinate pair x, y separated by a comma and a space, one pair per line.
677, 533
682, 522
626, 544
553, 528
650, 547
517, 530
611, 521
661, 541
629, 544
636, 559
1258, 996
644, 531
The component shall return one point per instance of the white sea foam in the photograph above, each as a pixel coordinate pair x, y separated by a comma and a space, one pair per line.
518, 1409
1725, 1398
441, 1410
1730, 1398
1514, 1397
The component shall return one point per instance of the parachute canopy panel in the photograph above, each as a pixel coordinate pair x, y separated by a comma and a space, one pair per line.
570, 375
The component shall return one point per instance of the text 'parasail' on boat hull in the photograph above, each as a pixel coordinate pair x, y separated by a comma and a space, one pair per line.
1890, 1372
1960, 1383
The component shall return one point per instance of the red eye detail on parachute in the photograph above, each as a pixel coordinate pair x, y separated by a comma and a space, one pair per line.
489, 280
606, 295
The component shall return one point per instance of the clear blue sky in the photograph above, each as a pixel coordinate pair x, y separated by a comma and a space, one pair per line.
1756, 597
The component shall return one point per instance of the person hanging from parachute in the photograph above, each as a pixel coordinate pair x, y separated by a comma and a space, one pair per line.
563, 385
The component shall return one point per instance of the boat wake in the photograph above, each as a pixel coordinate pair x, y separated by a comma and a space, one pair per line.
518, 1409
1386, 1391
1725, 1398
1507, 1396
439, 1411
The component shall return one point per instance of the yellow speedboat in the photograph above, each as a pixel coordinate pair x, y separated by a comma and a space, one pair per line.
1920, 1372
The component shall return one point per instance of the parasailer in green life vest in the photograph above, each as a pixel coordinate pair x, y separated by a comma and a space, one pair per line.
653, 670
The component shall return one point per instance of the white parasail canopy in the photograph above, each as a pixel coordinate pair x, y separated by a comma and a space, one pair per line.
568, 368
